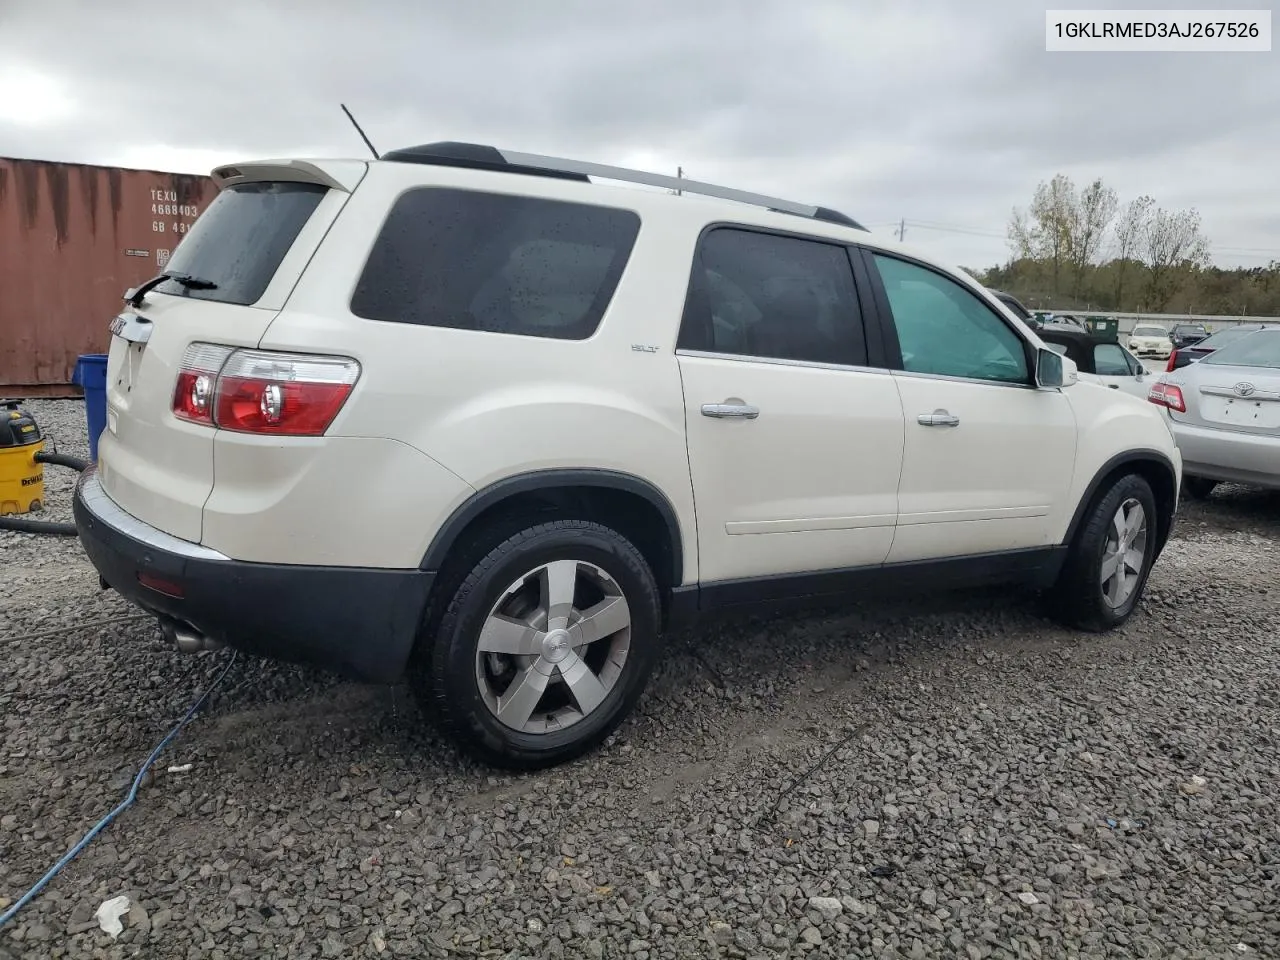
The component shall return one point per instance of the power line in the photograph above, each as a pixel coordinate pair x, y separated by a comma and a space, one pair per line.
943, 228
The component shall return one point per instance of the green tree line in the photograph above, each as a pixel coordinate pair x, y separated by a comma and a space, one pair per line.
1081, 249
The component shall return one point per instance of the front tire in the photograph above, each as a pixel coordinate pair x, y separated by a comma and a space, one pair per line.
1109, 562
545, 646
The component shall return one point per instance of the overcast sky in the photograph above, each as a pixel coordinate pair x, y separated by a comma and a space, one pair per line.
943, 112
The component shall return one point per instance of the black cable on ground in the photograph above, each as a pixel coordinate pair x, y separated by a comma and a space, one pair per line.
767, 817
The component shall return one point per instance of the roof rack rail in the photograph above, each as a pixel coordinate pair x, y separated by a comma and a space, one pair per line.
482, 157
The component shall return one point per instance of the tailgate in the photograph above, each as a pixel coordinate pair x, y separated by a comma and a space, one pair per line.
156, 467
232, 274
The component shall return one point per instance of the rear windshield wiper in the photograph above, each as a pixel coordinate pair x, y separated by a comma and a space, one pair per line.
134, 297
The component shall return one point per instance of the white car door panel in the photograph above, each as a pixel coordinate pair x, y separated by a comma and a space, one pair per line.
1120, 370
987, 455
808, 484
988, 483
795, 446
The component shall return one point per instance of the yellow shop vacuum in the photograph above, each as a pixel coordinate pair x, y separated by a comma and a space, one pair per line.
21, 473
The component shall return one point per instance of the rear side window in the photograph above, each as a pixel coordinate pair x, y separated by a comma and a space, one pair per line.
760, 295
238, 243
503, 264
1109, 361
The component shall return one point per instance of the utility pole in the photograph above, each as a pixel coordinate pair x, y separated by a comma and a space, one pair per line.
679, 176
902, 229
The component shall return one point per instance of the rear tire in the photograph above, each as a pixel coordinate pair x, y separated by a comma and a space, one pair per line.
1108, 564
1199, 488
545, 646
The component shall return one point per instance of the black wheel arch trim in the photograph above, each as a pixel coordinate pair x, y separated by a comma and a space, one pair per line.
536, 480
1108, 468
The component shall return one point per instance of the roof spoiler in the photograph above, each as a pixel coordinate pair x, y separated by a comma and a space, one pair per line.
344, 175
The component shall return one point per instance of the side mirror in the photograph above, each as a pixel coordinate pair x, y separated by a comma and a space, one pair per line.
1049, 372
1054, 370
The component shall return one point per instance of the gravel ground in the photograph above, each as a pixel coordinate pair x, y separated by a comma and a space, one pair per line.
999, 787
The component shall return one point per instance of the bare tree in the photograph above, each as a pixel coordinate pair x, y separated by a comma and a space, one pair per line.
1089, 216
1130, 230
1043, 231
1069, 234
1022, 243
1170, 241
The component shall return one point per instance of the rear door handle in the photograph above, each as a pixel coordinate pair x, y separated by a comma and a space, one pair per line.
939, 418
730, 410
1114, 386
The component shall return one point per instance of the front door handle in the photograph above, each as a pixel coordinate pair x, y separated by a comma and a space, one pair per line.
1114, 386
730, 410
939, 418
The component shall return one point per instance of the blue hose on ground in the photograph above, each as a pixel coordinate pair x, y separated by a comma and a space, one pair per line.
132, 795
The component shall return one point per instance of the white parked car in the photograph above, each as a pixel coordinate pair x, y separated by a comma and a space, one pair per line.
1150, 340
470, 414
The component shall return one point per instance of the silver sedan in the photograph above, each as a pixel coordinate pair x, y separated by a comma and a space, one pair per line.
1224, 412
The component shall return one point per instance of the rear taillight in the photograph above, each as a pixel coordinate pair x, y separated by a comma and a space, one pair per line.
193, 395
1167, 395
253, 391
283, 393
1173, 359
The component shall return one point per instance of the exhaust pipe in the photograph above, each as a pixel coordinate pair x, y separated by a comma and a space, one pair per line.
186, 638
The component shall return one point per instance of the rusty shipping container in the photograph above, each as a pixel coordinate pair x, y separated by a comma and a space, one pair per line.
73, 238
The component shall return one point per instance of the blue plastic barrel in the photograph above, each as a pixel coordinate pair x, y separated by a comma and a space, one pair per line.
91, 374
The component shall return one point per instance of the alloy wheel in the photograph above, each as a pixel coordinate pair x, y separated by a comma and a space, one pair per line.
1124, 555
553, 646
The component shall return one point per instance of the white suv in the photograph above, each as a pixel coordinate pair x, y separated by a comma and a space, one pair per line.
471, 415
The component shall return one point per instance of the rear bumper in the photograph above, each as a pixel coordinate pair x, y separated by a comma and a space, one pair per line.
1228, 456
358, 621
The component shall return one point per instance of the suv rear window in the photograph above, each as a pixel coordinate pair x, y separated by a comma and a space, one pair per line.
494, 262
240, 240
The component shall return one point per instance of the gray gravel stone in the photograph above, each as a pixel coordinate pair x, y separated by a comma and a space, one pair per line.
722, 933
829, 907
